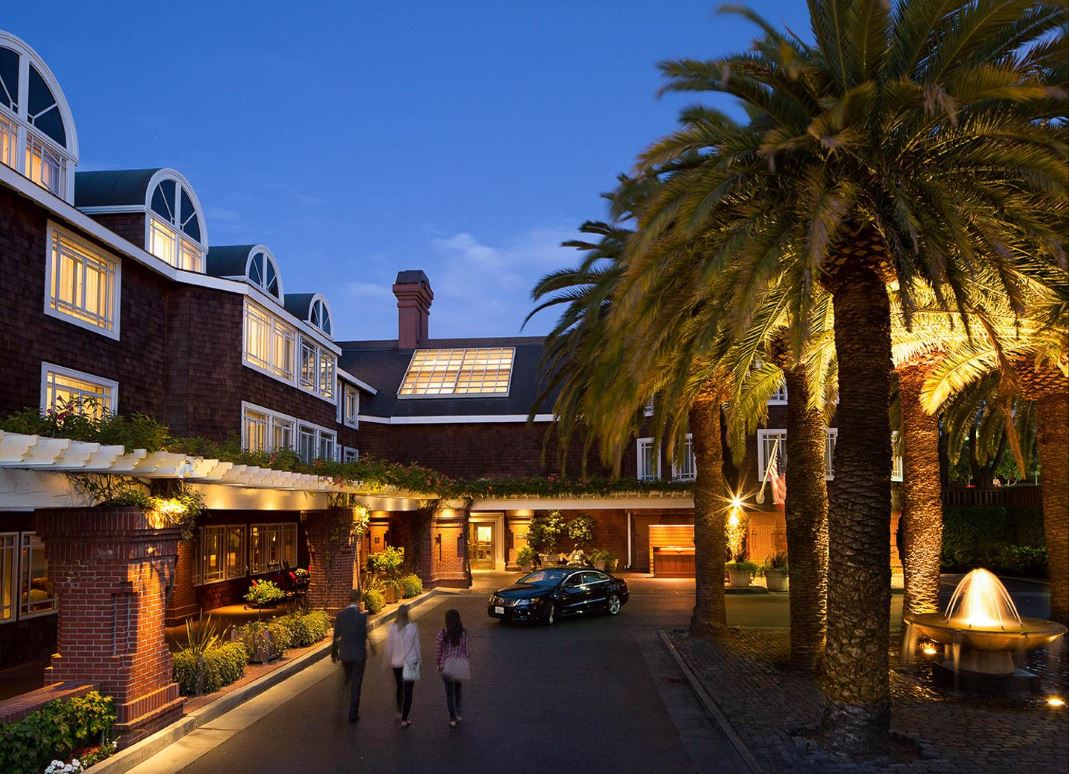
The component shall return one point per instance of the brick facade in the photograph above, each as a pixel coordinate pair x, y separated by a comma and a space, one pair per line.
334, 563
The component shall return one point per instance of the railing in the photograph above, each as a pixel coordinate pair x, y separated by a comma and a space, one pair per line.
1025, 496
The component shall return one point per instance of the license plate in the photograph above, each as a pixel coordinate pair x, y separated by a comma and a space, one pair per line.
499, 610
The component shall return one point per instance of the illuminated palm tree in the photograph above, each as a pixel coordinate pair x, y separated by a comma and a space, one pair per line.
912, 142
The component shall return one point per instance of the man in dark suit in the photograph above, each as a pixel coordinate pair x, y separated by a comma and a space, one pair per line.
350, 636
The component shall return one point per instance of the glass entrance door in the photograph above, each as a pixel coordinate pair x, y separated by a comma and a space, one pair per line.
481, 545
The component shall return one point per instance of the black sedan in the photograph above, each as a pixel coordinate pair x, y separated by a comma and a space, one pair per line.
544, 595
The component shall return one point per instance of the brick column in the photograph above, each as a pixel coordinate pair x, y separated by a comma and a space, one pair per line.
113, 570
449, 550
334, 566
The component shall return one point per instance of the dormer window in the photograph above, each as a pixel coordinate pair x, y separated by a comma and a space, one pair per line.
37, 135
174, 225
319, 316
263, 272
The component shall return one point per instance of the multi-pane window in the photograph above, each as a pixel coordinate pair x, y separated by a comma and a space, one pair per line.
9, 136
174, 227
319, 316
83, 284
318, 371
349, 454
271, 545
649, 461
265, 431
38, 590
683, 469
316, 443
779, 397
263, 272
352, 406
9, 546
269, 342
44, 165
221, 554
772, 451
435, 372
63, 388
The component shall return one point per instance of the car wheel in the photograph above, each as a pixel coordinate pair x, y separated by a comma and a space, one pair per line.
550, 614
613, 605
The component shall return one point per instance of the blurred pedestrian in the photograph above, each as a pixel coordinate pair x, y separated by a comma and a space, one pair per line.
403, 652
454, 662
350, 645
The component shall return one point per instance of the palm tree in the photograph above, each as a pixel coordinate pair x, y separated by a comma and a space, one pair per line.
908, 143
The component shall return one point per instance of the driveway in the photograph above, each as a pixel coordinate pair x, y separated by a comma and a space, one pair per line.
584, 695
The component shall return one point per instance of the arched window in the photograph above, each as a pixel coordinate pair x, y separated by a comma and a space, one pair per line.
37, 135
319, 316
262, 271
175, 222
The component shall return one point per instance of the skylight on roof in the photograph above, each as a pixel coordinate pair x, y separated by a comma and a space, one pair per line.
458, 372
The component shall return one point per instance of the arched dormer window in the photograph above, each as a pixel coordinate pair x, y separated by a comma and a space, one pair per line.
262, 271
319, 315
37, 135
174, 223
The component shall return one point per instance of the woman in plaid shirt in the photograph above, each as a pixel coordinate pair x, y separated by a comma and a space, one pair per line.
453, 659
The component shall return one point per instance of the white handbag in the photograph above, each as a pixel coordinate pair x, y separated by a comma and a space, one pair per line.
410, 671
457, 668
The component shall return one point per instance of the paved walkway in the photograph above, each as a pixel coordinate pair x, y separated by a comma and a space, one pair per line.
583, 695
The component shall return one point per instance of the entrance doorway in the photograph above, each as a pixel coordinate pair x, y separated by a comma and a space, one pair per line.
481, 544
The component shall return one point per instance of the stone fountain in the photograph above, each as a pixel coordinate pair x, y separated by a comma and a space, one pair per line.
981, 632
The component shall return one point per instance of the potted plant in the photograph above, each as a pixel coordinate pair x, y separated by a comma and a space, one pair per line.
740, 573
525, 558
775, 571
604, 559
264, 593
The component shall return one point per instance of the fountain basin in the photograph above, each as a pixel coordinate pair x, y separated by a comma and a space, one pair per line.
1032, 633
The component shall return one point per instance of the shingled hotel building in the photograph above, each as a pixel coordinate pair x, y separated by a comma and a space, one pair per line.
111, 290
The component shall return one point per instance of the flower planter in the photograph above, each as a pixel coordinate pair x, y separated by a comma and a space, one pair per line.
610, 565
776, 580
390, 592
739, 579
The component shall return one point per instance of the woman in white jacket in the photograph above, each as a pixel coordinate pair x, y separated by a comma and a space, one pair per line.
402, 648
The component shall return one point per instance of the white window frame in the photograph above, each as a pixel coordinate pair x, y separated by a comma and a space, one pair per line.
276, 332
179, 237
111, 384
273, 419
641, 444
56, 236
349, 454
351, 410
26, 543
897, 462
679, 470
779, 397
319, 435
323, 383
831, 435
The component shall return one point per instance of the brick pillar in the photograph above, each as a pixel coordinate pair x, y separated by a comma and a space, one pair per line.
183, 601
449, 549
113, 571
334, 564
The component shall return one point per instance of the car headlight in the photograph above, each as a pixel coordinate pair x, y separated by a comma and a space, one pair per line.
524, 602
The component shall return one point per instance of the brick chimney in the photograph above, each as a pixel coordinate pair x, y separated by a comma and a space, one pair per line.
414, 297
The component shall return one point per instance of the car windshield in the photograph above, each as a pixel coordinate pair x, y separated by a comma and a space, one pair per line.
543, 577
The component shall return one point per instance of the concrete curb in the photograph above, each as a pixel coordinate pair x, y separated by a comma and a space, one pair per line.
710, 705
124, 760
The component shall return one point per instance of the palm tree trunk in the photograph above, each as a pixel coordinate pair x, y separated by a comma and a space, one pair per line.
1053, 441
857, 713
807, 524
922, 510
710, 535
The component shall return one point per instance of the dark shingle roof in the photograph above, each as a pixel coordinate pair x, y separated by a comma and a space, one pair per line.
297, 304
412, 277
228, 260
112, 188
382, 365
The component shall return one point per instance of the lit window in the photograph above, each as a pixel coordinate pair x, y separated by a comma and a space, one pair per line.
265, 431
271, 546
315, 442
649, 462
318, 367
82, 284
434, 372
326, 374
33, 126
263, 272
211, 554
352, 406
684, 469
64, 388
9, 546
308, 364
38, 590
268, 341
779, 397
174, 226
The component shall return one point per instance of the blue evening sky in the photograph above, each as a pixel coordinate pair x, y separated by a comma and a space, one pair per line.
358, 138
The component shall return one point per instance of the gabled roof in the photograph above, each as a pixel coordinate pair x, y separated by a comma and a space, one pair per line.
113, 187
228, 260
383, 365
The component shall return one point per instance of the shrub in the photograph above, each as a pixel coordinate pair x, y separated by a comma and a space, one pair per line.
411, 586
223, 664
374, 601
388, 561
264, 593
306, 628
56, 730
776, 561
741, 566
264, 640
581, 529
1025, 561
544, 532
526, 556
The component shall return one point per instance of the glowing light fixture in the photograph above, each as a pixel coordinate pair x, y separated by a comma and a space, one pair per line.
929, 649
1055, 701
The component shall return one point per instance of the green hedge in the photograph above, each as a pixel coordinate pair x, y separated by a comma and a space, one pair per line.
374, 601
55, 731
306, 628
411, 586
223, 665
1005, 541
